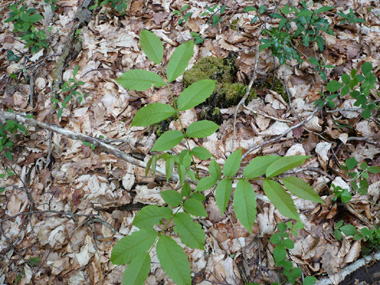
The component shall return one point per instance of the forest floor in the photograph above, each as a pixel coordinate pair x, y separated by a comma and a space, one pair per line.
64, 203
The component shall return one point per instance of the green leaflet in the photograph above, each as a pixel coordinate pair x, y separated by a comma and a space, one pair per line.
151, 215
168, 140
232, 164
201, 152
334, 86
223, 194
173, 260
195, 94
179, 60
137, 79
245, 204
206, 183
280, 199
151, 114
172, 197
137, 271
190, 232
169, 164
258, 166
301, 189
201, 129
214, 169
130, 246
195, 207
284, 164
186, 190
152, 46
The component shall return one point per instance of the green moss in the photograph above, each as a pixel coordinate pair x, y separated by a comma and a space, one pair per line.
227, 91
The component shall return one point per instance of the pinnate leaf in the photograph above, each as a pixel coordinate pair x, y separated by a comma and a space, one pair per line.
138, 270
284, 164
172, 197
152, 46
195, 207
195, 94
189, 231
214, 169
245, 204
168, 140
137, 79
201, 129
232, 164
151, 215
280, 199
301, 189
130, 246
223, 194
206, 183
258, 166
179, 60
201, 152
173, 260
334, 85
151, 114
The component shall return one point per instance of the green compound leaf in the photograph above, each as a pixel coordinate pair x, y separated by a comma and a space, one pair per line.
138, 270
195, 94
179, 60
301, 189
223, 194
151, 114
309, 280
284, 164
374, 169
232, 164
152, 46
201, 129
214, 169
172, 197
198, 196
349, 230
245, 204
186, 190
280, 199
173, 260
333, 86
201, 152
366, 67
130, 246
351, 163
206, 183
190, 232
195, 207
137, 79
169, 164
258, 166
279, 253
168, 140
151, 215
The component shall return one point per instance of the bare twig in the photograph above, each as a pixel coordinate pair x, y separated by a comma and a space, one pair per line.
283, 134
78, 136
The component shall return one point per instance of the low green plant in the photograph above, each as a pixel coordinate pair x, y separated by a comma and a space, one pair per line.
280, 43
24, 20
52, 4
320, 67
359, 177
283, 242
309, 23
197, 38
262, 10
371, 237
8, 130
216, 13
181, 14
154, 221
12, 57
358, 86
343, 194
118, 5
350, 18
70, 89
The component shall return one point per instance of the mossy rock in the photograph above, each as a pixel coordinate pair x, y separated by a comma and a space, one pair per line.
227, 91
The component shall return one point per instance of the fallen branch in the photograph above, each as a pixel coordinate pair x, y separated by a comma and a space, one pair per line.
78, 136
